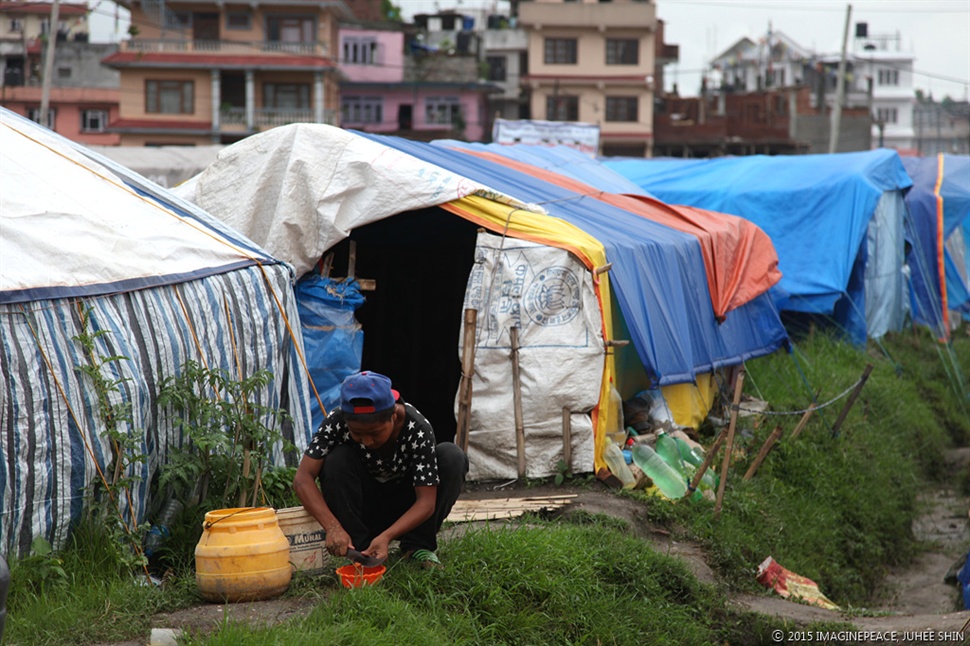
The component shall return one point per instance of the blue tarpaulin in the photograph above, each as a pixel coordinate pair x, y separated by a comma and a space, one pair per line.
815, 208
558, 159
938, 229
333, 338
658, 274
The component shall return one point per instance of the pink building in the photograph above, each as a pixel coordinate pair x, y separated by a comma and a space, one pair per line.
393, 86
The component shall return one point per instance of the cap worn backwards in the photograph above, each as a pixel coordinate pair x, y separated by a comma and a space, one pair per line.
366, 392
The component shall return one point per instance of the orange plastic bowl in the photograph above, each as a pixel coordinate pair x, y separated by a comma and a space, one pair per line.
356, 576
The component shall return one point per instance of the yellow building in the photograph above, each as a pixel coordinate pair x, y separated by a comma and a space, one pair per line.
593, 62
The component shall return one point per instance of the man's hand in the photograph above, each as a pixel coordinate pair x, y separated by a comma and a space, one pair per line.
378, 547
338, 541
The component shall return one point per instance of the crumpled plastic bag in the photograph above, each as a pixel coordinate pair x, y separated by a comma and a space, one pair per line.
792, 586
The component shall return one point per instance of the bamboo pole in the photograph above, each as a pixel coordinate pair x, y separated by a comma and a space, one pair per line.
803, 421
852, 398
567, 438
729, 447
465, 385
763, 453
517, 403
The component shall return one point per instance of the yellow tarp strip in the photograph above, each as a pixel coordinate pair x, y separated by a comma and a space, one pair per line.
689, 404
522, 224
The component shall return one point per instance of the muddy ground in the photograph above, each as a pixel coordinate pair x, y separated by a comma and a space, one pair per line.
916, 604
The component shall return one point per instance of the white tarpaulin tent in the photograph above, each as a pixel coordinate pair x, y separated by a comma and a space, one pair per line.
160, 283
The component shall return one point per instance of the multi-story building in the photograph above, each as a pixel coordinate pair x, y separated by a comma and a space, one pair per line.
397, 83
878, 77
884, 71
23, 25
215, 72
593, 62
83, 95
942, 127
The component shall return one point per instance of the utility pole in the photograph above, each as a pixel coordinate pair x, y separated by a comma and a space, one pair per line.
840, 90
45, 95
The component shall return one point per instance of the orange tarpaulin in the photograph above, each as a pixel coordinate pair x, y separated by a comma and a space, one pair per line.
739, 258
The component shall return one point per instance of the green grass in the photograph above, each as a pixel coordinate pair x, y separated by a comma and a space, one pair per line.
835, 508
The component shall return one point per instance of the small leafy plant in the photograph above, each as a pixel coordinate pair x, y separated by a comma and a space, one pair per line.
228, 435
43, 568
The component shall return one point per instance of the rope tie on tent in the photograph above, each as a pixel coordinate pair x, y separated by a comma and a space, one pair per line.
296, 345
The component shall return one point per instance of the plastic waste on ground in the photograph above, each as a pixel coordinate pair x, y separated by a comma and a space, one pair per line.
791, 585
671, 484
614, 459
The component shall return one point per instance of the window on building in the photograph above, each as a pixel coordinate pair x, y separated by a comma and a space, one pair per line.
178, 19
560, 51
622, 108
442, 110
622, 51
239, 20
291, 29
888, 77
63, 72
776, 77
16, 24
361, 109
497, 68
169, 97
94, 120
34, 115
286, 96
887, 115
562, 108
360, 51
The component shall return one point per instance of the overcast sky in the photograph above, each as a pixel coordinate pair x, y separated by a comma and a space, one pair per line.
937, 32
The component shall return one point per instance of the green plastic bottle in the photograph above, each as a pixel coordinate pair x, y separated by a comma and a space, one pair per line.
670, 483
694, 456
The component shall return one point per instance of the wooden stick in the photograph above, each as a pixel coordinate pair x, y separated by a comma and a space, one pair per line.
763, 453
729, 448
517, 403
465, 385
803, 421
567, 438
708, 459
852, 398
352, 260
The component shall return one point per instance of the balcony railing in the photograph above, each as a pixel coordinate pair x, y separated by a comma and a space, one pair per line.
181, 45
272, 117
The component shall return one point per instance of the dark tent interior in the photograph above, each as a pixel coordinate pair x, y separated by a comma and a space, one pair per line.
420, 261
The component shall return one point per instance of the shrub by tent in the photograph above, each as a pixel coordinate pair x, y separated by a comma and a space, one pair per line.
836, 222
160, 283
538, 265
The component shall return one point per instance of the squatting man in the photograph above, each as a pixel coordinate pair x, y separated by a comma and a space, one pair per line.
382, 477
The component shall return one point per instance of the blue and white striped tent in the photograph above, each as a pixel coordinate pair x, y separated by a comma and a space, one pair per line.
166, 283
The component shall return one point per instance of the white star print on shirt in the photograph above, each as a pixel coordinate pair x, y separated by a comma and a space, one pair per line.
414, 456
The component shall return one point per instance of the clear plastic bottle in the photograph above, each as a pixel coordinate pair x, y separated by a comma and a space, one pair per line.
160, 530
670, 483
614, 459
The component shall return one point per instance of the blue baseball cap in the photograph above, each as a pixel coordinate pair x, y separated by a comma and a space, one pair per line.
367, 392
